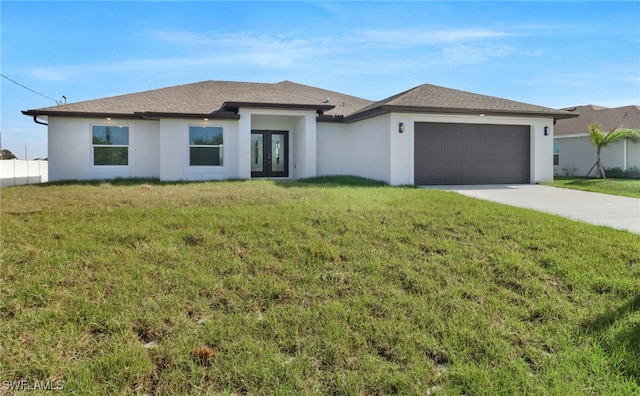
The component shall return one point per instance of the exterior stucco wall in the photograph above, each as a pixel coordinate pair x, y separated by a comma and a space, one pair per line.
372, 148
376, 149
401, 160
541, 146
633, 154
70, 149
577, 155
304, 162
361, 148
174, 151
160, 149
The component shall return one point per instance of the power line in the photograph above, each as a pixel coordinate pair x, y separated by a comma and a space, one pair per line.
58, 102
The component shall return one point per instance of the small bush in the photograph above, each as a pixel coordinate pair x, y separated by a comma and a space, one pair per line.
618, 173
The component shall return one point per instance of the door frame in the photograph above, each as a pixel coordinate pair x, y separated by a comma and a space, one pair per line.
267, 170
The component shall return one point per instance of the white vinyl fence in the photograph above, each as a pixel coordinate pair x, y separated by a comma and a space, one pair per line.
18, 172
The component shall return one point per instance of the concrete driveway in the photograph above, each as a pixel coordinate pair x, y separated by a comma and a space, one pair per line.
595, 208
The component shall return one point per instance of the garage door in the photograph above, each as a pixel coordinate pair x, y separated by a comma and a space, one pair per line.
470, 153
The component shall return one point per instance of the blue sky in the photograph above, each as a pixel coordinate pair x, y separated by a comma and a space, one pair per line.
555, 54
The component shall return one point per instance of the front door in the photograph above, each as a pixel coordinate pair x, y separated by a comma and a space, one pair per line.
269, 154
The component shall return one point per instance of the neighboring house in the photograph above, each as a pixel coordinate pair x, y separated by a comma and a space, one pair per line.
573, 152
228, 130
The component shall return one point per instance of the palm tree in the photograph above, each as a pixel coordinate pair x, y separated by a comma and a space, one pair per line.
600, 139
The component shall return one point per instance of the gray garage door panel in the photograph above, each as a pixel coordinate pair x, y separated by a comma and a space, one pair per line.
471, 153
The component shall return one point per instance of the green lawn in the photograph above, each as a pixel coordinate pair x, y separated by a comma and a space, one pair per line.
263, 287
625, 187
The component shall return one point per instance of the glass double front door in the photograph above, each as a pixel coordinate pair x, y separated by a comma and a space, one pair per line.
269, 154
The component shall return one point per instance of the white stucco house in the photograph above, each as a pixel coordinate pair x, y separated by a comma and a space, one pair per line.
228, 130
573, 153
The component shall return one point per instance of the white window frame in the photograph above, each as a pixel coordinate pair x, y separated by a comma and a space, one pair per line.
220, 146
128, 146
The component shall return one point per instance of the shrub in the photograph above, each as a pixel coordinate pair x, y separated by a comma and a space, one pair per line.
618, 173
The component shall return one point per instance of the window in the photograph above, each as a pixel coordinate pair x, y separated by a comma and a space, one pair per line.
205, 146
110, 145
556, 153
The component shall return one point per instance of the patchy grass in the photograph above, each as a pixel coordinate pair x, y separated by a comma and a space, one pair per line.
304, 288
349, 181
625, 187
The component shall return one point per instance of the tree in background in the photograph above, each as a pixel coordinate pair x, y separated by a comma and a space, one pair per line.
600, 139
7, 155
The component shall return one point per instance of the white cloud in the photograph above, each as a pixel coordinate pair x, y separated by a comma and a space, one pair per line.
421, 37
187, 39
471, 54
71, 72
397, 38
49, 74
388, 49
240, 43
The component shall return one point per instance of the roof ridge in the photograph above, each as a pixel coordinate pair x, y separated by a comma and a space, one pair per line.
321, 89
207, 96
483, 95
434, 97
634, 107
607, 118
148, 91
603, 108
381, 102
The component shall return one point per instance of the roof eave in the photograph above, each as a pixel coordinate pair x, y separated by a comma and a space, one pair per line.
262, 105
384, 109
330, 118
227, 115
572, 135
79, 114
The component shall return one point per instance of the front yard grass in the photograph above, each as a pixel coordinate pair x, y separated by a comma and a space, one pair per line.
269, 287
625, 187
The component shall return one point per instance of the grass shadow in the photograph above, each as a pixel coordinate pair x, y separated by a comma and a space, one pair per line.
604, 321
582, 182
132, 181
614, 186
332, 181
624, 345
320, 181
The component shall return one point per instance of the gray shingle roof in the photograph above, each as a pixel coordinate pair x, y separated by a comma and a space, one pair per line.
208, 97
432, 98
606, 118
